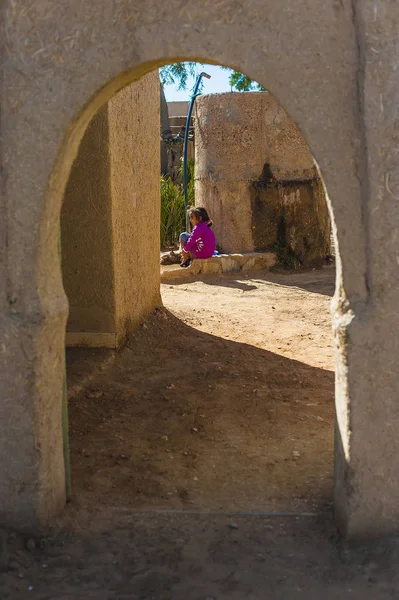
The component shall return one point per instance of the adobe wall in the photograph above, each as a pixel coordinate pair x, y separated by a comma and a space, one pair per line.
87, 237
135, 188
367, 459
257, 178
334, 73
110, 211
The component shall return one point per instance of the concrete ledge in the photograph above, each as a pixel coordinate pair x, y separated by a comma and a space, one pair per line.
91, 339
223, 263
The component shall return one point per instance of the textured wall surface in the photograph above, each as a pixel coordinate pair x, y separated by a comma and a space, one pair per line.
293, 219
135, 167
332, 66
236, 134
257, 178
110, 212
86, 233
367, 380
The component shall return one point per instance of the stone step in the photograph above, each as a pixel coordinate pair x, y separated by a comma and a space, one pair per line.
222, 263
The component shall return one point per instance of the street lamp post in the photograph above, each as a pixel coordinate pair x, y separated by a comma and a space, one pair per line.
185, 145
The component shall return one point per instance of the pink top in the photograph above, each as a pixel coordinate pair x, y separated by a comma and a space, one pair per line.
202, 242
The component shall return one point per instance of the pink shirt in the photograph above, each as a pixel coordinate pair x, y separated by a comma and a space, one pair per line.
202, 242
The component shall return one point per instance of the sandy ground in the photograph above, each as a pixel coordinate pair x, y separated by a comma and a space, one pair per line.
202, 458
221, 401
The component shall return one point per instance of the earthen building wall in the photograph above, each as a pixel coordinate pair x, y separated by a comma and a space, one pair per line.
333, 67
256, 176
110, 212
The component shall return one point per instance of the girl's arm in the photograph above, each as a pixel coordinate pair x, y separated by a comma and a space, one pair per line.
191, 240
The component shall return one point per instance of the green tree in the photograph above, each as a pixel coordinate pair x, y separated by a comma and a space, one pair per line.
242, 83
178, 74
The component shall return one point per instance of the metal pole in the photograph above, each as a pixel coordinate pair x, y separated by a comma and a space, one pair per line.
185, 144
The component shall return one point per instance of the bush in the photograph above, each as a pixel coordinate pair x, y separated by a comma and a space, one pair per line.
173, 213
190, 182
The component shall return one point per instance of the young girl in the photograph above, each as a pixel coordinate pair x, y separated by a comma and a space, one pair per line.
201, 243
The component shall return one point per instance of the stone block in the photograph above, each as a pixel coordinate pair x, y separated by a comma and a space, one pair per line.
210, 266
223, 263
260, 261
195, 267
229, 264
173, 272
240, 258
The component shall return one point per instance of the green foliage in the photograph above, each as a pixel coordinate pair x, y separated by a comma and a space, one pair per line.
173, 210
190, 182
178, 73
287, 259
242, 83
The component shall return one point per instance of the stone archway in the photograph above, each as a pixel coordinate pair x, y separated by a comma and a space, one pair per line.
61, 65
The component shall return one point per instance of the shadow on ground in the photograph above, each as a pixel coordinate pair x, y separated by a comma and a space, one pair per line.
149, 518
310, 281
181, 419
180, 557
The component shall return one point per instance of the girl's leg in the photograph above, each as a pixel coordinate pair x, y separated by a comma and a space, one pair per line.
183, 239
187, 258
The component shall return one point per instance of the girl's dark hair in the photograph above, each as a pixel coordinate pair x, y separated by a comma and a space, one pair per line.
201, 213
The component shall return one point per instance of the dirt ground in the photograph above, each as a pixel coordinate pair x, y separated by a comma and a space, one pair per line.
202, 458
221, 401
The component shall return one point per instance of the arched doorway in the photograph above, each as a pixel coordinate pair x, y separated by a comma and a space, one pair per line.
64, 86
238, 429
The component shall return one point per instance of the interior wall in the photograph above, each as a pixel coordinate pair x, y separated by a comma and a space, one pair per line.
86, 234
134, 129
110, 220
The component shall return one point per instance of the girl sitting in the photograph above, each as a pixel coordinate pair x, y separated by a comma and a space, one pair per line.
201, 243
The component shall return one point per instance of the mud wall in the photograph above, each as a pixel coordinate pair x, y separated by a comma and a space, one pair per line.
328, 73
135, 188
110, 212
86, 234
256, 175
292, 218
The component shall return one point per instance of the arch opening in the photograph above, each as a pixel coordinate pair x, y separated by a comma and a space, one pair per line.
93, 402
60, 67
